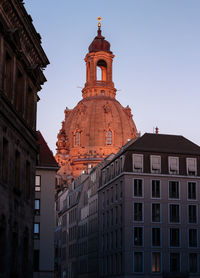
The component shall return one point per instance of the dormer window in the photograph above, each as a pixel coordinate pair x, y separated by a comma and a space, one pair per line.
137, 163
155, 164
191, 166
109, 137
173, 165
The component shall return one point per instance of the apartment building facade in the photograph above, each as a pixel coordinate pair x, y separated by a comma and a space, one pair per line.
148, 209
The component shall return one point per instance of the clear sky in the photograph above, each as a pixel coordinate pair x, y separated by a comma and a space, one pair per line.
156, 44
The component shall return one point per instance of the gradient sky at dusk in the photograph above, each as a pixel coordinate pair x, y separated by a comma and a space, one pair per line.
156, 68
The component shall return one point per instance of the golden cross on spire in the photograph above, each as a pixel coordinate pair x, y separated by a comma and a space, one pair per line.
99, 24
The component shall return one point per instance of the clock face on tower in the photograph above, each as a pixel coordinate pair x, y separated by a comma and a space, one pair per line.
98, 125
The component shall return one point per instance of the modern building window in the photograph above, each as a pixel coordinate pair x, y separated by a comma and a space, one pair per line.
173, 165
174, 237
138, 211
155, 234
192, 236
192, 194
174, 262
155, 212
173, 189
5, 161
155, 189
36, 230
155, 164
174, 213
193, 262
36, 260
138, 261
191, 166
137, 163
37, 206
138, 188
77, 138
109, 137
156, 264
37, 183
138, 236
192, 214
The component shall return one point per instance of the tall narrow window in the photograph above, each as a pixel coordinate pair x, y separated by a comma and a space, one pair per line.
174, 237
155, 262
192, 235
138, 212
173, 189
36, 260
137, 162
77, 138
191, 166
155, 234
155, 191
138, 192
192, 214
138, 236
30, 106
109, 137
193, 263
28, 180
155, 164
192, 190
37, 183
8, 76
174, 262
36, 230
174, 213
5, 161
19, 92
173, 165
155, 212
138, 262
17, 170
101, 70
37, 206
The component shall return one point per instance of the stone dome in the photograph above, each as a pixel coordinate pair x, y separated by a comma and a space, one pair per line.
99, 44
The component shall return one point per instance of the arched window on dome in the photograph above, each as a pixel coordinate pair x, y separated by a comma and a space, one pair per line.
101, 74
77, 138
109, 137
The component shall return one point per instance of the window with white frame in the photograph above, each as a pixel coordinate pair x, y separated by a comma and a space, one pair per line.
138, 261
193, 262
155, 189
173, 189
173, 165
137, 163
192, 237
156, 262
174, 236
192, 194
174, 262
138, 236
155, 212
155, 164
192, 214
191, 166
174, 216
138, 188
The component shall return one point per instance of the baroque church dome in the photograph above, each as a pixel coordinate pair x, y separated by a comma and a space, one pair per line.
98, 125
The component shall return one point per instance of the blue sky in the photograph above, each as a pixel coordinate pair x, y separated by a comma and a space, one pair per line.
156, 44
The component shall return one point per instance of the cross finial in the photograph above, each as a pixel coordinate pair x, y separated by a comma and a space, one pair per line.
99, 24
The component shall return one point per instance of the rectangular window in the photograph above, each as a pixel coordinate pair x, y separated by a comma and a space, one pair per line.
138, 190
36, 230
8, 76
155, 164
191, 166
37, 206
193, 263
138, 262
28, 180
156, 262
36, 260
17, 170
155, 189
5, 161
192, 195
173, 165
192, 214
137, 163
155, 212
174, 262
155, 234
138, 212
138, 236
192, 235
174, 213
37, 183
174, 189
174, 237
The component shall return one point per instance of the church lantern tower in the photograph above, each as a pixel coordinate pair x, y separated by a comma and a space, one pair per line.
98, 125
